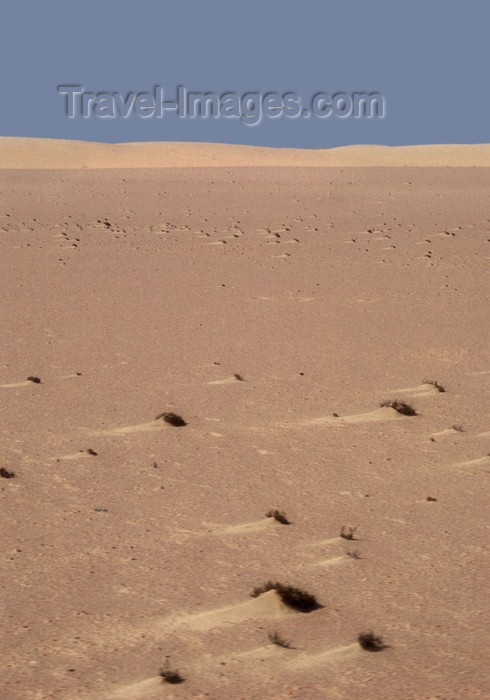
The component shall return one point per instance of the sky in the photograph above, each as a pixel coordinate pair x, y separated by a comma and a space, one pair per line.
427, 59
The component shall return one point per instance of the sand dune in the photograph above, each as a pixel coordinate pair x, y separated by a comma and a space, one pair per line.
14, 385
129, 542
135, 691
23, 153
250, 527
379, 414
265, 606
420, 389
335, 655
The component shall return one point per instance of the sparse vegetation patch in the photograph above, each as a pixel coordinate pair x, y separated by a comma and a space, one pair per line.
348, 532
275, 638
354, 555
438, 386
279, 516
369, 642
400, 407
169, 675
172, 419
293, 597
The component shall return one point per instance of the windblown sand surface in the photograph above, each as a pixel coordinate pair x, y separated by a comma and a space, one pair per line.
133, 292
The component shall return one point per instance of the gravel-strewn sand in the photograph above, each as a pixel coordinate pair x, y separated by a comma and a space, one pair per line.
132, 292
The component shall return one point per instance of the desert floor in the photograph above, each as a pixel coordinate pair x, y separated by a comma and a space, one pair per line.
131, 292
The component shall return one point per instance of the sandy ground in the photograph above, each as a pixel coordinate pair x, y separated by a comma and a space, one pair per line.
131, 292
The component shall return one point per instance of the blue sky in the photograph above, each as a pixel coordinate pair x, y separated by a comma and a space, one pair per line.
429, 59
